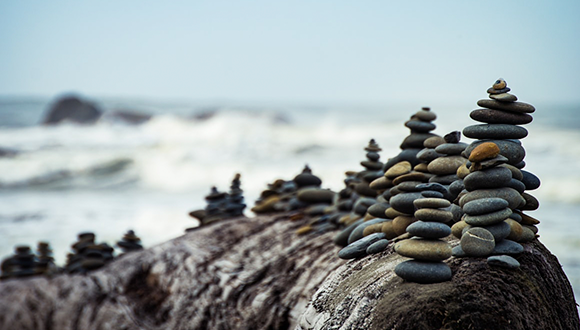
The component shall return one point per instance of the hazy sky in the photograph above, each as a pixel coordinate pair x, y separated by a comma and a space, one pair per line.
313, 51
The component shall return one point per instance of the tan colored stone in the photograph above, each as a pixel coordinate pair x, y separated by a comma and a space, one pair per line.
400, 224
433, 142
388, 229
516, 230
422, 249
376, 228
381, 183
421, 167
411, 176
486, 150
391, 213
400, 168
457, 228
462, 171
304, 230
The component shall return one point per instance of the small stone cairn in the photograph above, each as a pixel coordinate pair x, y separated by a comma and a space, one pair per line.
494, 186
22, 264
45, 259
88, 255
130, 242
426, 247
235, 204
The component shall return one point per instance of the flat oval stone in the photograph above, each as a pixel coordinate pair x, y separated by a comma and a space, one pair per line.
408, 186
415, 140
487, 219
428, 155
391, 213
504, 97
315, 195
404, 202
432, 186
378, 209
363, 189
409, 155
423, 272
362, 204
433, 203
381, 183
446, 165
492, 90
477, 242
376, 228
507, 246
341, 239
491, 116
411, 176
435, 215
458, 227
513, 198
421, 167
516, 172
421, 249
456, 187
433, 142
444, 179
503, 261
485, 205
483, 151
400, 168
357, 233
378, 246
510, 149
451, 148
420, 126
431, 194
527, 235
531, 181
495, 131
516, 217
517, 185
429, 229
500, 231
528, 220
531, 202
425, 115
495, 177
358, 248
512, 106
401, 223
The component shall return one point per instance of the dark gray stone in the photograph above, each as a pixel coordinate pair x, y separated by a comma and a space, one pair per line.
488, 218
491, 116
452, 137
516, 217
409, 155
503, 261
457, 212
451, 148
499, 231
495, 131
485, 205
517, 185
362, 204
495, 177
513, 197
404, 202
456, 187
71, 108
408, 186
431, 194
415, 140
507, 246
428, 155
429, 229
532, 203
432, 186
458, 252
491, 90
378, 246
531, 181
378, 209
341, 239
511, 149
357, 233
423, 271
444, 179
511, 106
359, 248
420, 126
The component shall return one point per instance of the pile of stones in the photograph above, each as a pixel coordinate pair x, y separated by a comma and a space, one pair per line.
22, 264
221, 205
88, 255
45, 263
130, 242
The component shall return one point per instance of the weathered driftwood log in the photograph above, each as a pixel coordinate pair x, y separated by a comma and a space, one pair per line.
257, 274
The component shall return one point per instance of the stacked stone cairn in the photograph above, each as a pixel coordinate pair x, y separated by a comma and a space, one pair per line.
45, 264
130, 242
493, 200
22, 264
426, 248
235, 203
88, 255
420, 125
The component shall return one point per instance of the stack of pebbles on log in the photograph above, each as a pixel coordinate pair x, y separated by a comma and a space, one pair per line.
87, 254
426, 247
22, 264
495, 183
45, 264
221, 205
130, 242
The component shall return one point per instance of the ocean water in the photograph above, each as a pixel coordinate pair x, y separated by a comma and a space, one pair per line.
57, 181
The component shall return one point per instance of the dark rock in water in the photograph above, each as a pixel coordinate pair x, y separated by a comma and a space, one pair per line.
511, 106
491, 116
530, 180
503, 261
359, 248
511, 149
71, 108
485, 205
378, 246
495, 177
452, 137
423, 272
409, 155
507, 246
404, 202
7, 152
495, 131
128, 117
341, 239
429, 229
